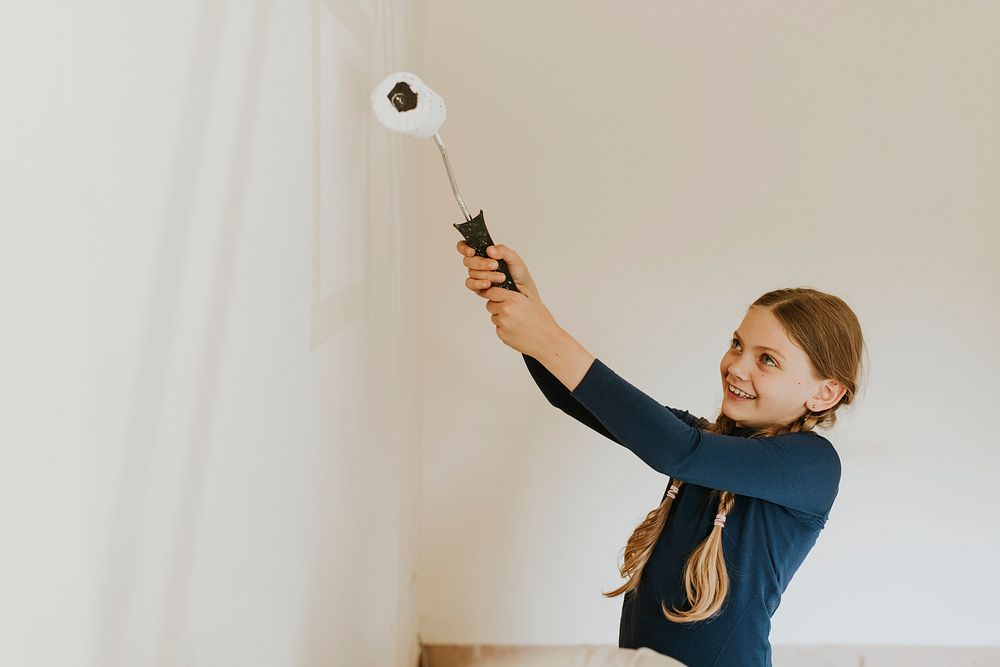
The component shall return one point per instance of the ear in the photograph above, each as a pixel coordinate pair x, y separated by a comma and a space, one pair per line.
827, 395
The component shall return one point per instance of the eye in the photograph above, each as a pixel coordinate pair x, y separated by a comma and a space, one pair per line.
733, 341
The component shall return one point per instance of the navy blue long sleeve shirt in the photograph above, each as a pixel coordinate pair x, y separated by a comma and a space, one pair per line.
784, 488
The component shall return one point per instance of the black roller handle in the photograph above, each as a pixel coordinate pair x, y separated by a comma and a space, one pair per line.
477, 236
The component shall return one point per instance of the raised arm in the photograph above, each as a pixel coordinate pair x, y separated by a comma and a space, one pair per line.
800, 471
561, 397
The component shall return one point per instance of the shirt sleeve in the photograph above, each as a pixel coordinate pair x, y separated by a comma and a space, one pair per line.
800, 470
559, 396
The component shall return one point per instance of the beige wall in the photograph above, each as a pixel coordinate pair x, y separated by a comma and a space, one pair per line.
659, 166
247, 399
209, 449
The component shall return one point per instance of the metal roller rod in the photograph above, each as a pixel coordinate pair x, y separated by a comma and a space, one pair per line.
451, 176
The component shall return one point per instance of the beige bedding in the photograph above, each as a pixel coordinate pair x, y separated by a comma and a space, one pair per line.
576, 656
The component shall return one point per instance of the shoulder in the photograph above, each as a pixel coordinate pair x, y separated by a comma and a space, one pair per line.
815, 448
818, 469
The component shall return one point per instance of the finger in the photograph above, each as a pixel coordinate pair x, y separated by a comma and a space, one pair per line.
465, 249
508, 254
478, 285
500, 294
492, 276
481, 263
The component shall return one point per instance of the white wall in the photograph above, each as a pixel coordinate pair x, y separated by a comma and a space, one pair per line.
209, 449
659, 166
231, 313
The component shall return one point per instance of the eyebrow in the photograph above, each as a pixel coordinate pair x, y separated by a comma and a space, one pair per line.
760, 347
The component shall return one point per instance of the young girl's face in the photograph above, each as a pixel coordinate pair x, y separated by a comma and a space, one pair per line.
764, 362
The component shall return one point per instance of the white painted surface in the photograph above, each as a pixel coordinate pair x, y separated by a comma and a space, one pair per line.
208, 455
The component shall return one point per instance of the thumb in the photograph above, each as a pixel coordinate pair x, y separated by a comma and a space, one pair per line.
518, 269
507, 254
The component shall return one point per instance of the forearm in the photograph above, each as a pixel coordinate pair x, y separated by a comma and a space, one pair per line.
559, 396
566, 359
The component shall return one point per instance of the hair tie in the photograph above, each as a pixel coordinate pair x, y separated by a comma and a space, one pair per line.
720, 520
672, 492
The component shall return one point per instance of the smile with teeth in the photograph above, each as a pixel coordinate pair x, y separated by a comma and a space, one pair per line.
741, 394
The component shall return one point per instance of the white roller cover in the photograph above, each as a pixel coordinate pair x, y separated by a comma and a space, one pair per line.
422, 121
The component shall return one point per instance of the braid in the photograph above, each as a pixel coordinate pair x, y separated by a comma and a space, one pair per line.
640, 544
830, 335
706, 581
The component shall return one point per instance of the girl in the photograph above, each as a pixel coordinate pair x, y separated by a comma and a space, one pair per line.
748, 494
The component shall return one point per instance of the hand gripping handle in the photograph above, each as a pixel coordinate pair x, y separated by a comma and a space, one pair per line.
477, 236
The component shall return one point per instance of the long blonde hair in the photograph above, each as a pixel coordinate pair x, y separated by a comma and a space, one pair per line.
829, 333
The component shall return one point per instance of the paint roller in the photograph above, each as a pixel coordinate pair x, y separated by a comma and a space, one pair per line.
404, 103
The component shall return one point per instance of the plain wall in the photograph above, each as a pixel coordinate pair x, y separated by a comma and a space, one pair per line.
209, 451
251, 415
660, 165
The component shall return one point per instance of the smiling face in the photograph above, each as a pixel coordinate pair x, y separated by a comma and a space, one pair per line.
764, 362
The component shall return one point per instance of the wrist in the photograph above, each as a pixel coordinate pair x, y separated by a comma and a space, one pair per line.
566, 358
549, 343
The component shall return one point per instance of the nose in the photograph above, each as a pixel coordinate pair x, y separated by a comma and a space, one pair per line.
739, 372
